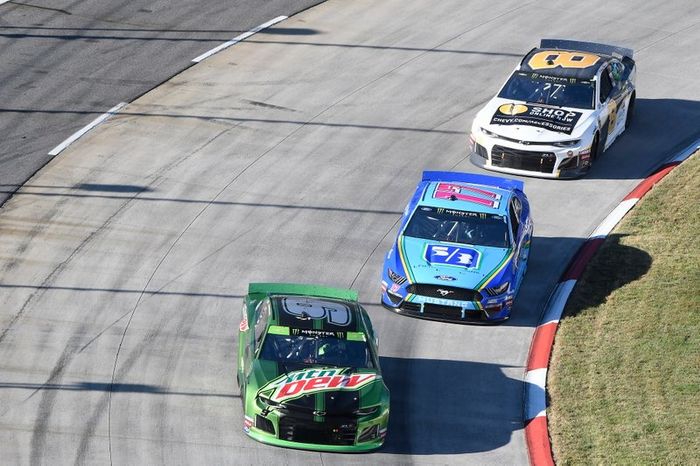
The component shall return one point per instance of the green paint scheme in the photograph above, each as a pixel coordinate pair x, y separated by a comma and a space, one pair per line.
310, 404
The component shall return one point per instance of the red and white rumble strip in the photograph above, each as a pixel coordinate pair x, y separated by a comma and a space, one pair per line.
536, 433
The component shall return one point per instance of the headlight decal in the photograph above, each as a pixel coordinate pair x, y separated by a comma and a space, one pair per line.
404, 262
506, 260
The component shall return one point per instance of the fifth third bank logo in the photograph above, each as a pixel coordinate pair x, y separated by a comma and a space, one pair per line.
452, 255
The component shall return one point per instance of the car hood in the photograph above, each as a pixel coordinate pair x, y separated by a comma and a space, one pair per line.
331, 390
521, 121
460, 265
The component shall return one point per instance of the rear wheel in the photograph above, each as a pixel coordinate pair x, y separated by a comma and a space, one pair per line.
630, 111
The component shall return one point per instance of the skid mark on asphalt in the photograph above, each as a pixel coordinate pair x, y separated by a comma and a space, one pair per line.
45, 408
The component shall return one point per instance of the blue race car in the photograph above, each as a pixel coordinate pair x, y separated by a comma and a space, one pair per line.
462, 248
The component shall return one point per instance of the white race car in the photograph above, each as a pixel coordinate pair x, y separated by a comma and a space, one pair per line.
561, 108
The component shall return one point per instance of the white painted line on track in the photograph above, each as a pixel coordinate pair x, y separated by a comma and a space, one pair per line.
75, 136
237, 39
3, 1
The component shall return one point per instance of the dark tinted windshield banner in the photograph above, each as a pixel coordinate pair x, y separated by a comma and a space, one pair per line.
317, 333
553, 119
457, 214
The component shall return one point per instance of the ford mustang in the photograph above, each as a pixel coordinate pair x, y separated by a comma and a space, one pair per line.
563, 106
461, 251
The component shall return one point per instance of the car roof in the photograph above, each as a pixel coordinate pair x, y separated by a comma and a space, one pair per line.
470, 197
544, 61
296, 311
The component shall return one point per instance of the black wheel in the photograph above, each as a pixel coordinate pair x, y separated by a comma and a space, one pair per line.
594, 148
630, 111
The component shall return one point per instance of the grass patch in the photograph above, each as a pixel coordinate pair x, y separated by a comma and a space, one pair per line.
624, 380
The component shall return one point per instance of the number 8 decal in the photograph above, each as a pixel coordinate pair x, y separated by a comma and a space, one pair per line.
555, 58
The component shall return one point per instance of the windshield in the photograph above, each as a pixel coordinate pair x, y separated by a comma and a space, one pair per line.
458, 226
330, 351
552, 90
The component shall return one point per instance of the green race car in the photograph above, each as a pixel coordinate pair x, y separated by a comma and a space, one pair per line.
309, 371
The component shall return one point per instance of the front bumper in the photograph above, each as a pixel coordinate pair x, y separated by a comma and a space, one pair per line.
444, 312
542, 161
334, 434
272, 440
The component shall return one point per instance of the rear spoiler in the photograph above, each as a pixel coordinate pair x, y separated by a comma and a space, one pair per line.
495, 181
297, 289
593, 47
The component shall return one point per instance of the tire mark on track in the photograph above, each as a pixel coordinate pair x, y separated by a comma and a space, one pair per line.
48, 396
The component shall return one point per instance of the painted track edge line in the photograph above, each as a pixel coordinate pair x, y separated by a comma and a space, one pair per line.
238, 39
535, 404
78, 134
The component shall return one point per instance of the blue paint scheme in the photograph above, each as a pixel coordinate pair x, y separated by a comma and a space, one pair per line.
426, 267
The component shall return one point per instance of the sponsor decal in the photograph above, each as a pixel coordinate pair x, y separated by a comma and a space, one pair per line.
243, 326
307, 381
309, 332
452, 255
335, 313
554, 119
247, 424
445, 278
395, 287
512, 109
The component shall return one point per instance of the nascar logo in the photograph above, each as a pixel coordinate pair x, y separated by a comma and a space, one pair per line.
308, 381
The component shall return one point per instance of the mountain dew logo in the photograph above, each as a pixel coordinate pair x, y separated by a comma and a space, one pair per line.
308, 381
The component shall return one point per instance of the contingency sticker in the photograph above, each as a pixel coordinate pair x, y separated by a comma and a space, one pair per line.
554, 119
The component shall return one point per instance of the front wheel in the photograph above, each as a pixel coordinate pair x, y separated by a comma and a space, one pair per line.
594, 148
630, 111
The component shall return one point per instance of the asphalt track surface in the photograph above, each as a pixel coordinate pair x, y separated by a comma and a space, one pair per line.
289, 158
64, 62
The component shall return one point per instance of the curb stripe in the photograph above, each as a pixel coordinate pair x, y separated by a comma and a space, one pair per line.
535, 409
538, 445
614, 218
581, 258
535, 386
557, 301
541, 348
644, 187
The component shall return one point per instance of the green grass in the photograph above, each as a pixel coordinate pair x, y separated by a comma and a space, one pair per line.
624, 379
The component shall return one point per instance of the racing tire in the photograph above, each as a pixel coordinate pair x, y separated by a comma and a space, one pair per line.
630, 111
595, 148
